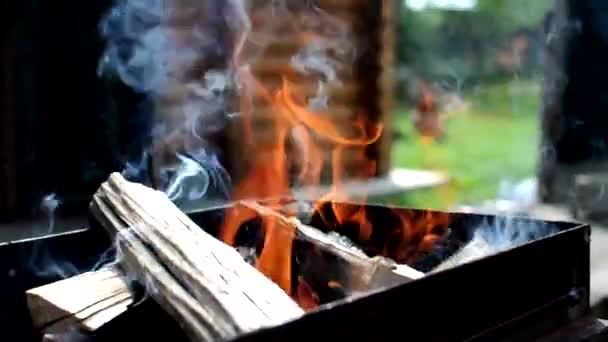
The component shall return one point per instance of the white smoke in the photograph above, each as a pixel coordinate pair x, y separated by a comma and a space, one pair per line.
193, 58
502, 234
193, 176
328, 55
314, 59
142, 285
45, 263
179, 53
49, 205
508, 232
41, 262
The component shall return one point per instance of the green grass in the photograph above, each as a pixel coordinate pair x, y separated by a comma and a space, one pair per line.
494, 139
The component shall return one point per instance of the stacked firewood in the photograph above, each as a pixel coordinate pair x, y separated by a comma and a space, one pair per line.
204, 284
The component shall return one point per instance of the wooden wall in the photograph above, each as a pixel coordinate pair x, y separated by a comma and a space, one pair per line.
386, 81
366, 84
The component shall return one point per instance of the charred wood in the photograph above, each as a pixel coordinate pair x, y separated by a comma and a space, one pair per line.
357, 273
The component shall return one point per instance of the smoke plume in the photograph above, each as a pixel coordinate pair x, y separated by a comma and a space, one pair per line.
41, 262
493, 237
193, 59
180, 54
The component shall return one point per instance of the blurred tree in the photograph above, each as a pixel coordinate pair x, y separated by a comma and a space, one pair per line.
460, 45
511, 15
415, 30
415, 46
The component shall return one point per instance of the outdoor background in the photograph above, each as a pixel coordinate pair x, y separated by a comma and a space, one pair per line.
482, 61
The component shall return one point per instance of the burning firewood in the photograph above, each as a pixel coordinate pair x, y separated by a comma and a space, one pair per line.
86, 301
362, 273
203, 283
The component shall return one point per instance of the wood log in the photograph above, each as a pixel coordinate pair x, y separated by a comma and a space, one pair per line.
163, 287
363, 273
86, 301
203, 283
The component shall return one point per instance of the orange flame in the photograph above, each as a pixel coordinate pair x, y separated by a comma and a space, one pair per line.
269, 177
306, 296
419, 233
275, 259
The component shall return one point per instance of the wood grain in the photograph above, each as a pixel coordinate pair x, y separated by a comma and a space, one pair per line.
87, 301
203, 283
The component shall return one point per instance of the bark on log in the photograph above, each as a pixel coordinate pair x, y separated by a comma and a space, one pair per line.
364, 273
86, 301
203, 283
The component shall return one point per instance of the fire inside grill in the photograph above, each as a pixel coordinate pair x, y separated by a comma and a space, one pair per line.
511, 274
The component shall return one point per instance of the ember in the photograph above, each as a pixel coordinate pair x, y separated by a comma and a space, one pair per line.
305, 295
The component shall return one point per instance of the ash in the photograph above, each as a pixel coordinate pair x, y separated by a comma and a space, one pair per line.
344, 241
248, 254
492, 238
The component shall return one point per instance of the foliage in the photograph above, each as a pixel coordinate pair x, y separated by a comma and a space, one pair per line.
435, 43
510, 15
494, 139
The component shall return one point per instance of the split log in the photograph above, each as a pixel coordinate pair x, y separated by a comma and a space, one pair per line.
363, 273
203, 283
86, 301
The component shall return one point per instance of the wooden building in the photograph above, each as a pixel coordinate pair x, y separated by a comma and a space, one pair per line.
366, 81
63, 129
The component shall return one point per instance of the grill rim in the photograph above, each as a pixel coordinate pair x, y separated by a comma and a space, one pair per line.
561, 309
